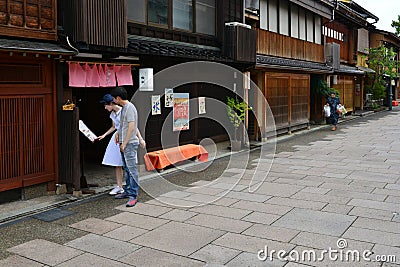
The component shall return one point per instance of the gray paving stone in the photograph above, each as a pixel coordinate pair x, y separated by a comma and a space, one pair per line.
351, 194
250, 244
212, 254
326, 180
393, 186
96, 226
337, 208
152, 257
178, 215
49, 253
373, 236
251, 259
297, 182
220, 223
145, 209
356, 188
389, 192
137, 220
322, 198
335, 175
18, 261
102, 246
248, 196
227, 186
185, 241
370, 176
260, 217
201, 198
261, 207
315, 190
205, 190
371, 213
222, 211
175, 203
368, 184
271, 232
125, 233
380, 225
296, 203
90, 260
280, 190
225, 201
392, 199
315, 221
176, 194
374, 204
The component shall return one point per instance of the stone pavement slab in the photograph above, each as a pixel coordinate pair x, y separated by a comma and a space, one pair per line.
213, 254
373, 236
137, 220
102, 246
18, 261
49, 253
96, 226
145, 209
125, 233
178, 238
260, 217
220, 223
221, 211
250, 259
90, 260
178, 215
271, 232
315, 221
147, 257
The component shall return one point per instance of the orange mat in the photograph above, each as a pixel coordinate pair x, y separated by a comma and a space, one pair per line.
162, 158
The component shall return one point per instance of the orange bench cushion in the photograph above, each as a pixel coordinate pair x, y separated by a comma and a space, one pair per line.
162, 158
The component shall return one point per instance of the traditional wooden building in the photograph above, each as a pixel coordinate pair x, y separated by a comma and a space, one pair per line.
28, 132
152, 35
389, 40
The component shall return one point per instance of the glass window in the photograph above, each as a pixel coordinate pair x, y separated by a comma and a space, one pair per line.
264, 15
205, 16
302, 24
136, 10
273, 15
318, 30
283, 18
158, 11
310, 27
182, 14
294, 23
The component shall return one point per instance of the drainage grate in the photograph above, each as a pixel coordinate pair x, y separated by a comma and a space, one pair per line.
52, 215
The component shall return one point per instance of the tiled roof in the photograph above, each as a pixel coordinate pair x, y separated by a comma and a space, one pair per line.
156, 46
285, 63
33, 46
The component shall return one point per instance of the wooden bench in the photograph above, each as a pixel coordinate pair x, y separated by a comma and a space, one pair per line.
165, 157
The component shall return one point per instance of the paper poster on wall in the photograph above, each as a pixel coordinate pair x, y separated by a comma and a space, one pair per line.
181, 111
146, 79
202, 105
169, 97
155, 105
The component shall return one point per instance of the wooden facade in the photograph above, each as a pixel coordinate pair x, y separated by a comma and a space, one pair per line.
274, 44
95, 22
27, 118
29, 19
345, 86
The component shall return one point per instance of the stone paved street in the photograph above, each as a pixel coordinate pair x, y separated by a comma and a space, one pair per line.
340, 192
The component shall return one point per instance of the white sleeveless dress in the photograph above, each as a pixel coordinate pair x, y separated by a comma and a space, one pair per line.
112, 156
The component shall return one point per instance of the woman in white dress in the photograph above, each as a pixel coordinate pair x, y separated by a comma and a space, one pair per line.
112, 156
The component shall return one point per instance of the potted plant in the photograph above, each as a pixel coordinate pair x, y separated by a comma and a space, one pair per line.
236, 112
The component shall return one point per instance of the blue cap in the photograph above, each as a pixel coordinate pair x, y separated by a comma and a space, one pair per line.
107, 99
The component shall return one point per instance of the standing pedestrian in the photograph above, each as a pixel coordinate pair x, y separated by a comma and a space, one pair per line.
333, 102
129, 140
112, 156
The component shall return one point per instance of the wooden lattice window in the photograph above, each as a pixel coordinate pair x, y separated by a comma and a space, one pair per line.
300, 100
277, 92
22, 143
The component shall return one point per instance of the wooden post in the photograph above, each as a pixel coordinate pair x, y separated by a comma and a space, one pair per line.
76, 156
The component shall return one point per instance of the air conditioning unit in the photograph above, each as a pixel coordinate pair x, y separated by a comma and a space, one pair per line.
332, 55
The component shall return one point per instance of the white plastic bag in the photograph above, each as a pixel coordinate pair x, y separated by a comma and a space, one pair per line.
327, 111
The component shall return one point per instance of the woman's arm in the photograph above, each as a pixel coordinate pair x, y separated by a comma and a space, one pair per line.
112, 129
141, 140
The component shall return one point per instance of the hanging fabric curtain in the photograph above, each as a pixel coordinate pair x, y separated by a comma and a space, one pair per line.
77, 75
92, 76
124, 75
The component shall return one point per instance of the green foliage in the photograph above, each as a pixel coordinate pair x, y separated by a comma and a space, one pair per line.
321, 87
396, 24
381, 60
236, 111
